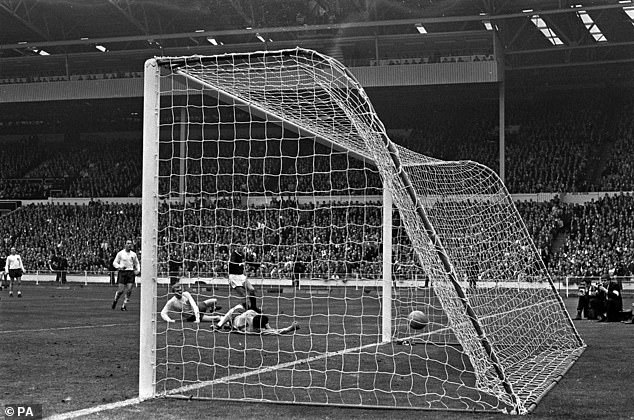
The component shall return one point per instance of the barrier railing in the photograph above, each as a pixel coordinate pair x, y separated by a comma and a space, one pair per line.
567, 286
84, 277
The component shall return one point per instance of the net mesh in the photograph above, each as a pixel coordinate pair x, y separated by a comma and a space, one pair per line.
283, 153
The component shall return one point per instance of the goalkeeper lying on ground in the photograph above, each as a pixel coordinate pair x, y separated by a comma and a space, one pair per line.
251, 322
184, 303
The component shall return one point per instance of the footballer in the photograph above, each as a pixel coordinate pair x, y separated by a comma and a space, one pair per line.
183, 302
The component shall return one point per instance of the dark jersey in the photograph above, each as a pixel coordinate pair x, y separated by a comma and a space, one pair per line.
55, 263
236, 262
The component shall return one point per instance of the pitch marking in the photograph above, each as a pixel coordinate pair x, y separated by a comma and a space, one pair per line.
125, 403
79, 327
96, 409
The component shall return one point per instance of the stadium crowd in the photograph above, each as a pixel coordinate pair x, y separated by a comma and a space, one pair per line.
86, 235
551, 148
35, 169
341, 241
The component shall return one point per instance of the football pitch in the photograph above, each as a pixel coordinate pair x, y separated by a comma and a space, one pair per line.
65, 349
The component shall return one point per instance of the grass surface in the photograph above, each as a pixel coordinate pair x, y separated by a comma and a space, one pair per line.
66, 349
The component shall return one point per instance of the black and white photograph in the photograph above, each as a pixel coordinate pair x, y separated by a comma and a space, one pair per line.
317, 209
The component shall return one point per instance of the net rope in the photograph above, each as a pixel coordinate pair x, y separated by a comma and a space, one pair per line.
283, 152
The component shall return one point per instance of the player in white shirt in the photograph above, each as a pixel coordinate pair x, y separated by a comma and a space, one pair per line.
128, 265
14, 268
252, 322
183, 303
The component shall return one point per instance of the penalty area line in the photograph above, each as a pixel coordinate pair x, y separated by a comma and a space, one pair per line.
78, 327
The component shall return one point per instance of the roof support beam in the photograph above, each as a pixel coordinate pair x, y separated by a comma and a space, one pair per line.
123, 6
560, 32
517, 34
237, 7
21, 11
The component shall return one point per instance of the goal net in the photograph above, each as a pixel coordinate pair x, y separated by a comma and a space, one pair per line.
280, 154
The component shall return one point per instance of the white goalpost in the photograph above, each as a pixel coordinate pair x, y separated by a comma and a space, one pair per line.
281, 153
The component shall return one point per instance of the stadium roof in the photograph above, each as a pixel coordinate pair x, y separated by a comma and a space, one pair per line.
530, 35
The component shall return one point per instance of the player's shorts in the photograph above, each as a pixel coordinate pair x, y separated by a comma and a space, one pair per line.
15, 273
126, 277
202, 308
237, 280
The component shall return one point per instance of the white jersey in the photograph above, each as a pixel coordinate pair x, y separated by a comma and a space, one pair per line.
13, 262
244, 321
184, 304
126, 260
181, 305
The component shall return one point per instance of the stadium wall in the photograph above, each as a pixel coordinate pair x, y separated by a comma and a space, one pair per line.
569, 198
368, 76
427, 74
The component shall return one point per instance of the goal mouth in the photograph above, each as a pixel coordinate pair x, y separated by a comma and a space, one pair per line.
346, 233
310, 367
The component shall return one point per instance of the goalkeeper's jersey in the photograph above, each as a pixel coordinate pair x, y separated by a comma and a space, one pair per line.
180, 305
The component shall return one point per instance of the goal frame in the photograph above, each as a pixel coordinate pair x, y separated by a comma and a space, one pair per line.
149, 226
149, 212
388, 150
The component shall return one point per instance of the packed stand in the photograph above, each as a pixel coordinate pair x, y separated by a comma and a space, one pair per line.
34, 169
87, 235
618, 172
601, 237
17, 157
551, 150
340, 241
549, 144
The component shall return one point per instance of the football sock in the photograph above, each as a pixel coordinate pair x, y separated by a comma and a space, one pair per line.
253, 304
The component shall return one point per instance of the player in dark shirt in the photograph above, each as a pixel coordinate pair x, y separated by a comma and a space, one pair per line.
238, 280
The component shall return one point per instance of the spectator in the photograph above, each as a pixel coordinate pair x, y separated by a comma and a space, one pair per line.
59, 265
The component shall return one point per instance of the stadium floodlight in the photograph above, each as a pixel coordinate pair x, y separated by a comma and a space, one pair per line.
281, 155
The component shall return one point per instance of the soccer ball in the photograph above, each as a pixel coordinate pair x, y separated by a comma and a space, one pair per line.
417, 320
